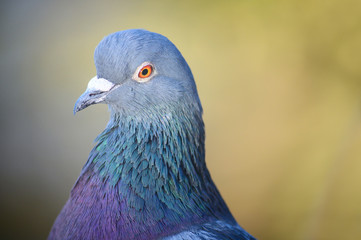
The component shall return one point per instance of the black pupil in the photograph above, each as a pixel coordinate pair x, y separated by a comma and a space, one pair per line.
145, 72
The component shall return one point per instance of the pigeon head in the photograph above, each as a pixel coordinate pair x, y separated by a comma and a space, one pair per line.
138, 70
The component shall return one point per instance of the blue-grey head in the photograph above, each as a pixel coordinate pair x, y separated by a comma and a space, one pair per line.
139, 71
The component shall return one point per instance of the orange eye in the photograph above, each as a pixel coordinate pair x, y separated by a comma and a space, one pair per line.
145, 71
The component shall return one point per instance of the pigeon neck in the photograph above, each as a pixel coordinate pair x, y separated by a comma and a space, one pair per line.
155, 167
167, 146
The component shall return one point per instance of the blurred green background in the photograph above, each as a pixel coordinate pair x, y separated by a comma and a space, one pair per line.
280, 83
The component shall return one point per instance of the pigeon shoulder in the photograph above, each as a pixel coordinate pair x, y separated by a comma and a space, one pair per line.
217, 230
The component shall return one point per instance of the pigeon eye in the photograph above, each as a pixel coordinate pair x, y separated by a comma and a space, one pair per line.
145, 71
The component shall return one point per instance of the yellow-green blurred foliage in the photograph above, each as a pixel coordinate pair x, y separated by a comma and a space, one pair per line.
280, 83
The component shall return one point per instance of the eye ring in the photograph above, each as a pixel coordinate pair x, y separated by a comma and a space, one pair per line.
144, 72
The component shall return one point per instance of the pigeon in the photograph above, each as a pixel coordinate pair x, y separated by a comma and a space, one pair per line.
146, 177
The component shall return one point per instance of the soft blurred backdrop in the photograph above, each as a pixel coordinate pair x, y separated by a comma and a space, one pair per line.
280, 83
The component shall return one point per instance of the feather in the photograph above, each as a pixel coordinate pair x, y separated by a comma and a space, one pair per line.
146, 177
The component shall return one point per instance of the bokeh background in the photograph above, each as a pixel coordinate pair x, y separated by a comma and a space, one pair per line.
280, 83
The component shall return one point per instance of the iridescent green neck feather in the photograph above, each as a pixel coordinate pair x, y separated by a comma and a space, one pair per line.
156, 163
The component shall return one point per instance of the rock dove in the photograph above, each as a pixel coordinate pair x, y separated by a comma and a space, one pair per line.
146, 177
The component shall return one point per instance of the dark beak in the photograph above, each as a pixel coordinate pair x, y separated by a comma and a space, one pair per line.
96, 92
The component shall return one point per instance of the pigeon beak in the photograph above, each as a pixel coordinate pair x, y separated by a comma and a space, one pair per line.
97, 90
